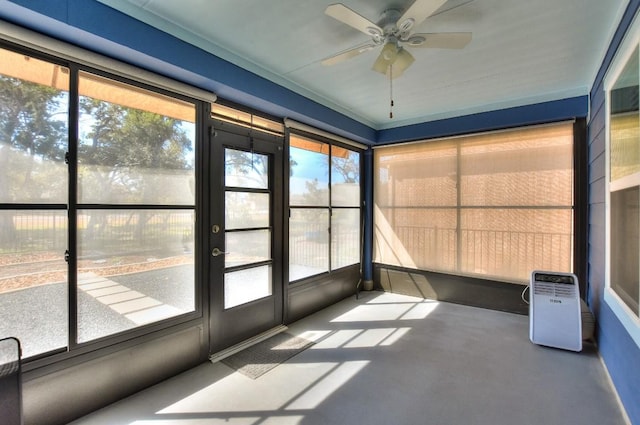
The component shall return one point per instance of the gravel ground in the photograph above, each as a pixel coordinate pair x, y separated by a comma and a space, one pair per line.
38, 315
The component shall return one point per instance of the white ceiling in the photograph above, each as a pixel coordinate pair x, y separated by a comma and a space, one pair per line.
522, 52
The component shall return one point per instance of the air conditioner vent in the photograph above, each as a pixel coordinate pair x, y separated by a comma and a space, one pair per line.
542, 288
565, 291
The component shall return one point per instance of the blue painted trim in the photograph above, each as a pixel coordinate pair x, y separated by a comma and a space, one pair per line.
94, 26
539, 113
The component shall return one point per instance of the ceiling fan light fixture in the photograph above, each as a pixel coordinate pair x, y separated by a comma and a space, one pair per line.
389, 52
403, 61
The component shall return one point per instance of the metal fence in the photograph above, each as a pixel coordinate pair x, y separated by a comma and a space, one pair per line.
486, 252
309, 245
98, 230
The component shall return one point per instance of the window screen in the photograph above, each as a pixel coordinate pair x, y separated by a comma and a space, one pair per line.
497, 205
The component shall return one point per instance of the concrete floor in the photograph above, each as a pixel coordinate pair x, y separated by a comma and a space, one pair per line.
392, 359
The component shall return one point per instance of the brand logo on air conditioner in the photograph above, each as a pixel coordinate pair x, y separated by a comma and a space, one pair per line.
552, 301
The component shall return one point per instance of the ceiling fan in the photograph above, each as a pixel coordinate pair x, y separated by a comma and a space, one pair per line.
394, 32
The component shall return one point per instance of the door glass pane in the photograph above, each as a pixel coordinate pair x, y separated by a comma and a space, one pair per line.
33, 279
308, 242
135, 147
345, 237
134, 267
246, 169
243, 286
245, 210
247, 247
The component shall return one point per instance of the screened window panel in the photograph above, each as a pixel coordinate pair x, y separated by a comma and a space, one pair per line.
529, 167
135, 147
345, 237
419, 238
309, 180
497, 205
308, 242
34, 104
134, 267
624, 187
34, 123
624, 122
33, 279
625, 252
513, 242
345, 177
416, 175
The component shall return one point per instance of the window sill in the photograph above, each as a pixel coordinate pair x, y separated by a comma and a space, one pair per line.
629, 321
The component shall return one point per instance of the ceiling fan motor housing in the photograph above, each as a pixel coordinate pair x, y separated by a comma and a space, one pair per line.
388, 20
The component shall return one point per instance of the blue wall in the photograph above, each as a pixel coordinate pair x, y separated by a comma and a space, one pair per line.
96, 27
619, 351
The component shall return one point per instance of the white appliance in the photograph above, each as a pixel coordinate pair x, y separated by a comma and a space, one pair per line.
555, 318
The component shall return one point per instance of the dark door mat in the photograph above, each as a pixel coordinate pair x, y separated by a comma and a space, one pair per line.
259, 359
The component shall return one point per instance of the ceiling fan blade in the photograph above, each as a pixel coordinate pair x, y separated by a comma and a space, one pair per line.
348, 54
450, 5
347, 16
418, 12
441, 40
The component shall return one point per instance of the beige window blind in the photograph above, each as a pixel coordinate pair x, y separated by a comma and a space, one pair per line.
497, 204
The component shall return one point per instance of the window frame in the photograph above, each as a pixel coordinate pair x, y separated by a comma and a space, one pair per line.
305, 132
72, 351
631, 42
578, 207
75, 207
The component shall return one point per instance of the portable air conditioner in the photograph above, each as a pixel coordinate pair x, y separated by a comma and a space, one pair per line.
555, 318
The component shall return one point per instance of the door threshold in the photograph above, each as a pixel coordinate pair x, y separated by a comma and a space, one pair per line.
216, 357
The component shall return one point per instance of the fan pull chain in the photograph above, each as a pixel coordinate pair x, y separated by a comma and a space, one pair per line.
391, 91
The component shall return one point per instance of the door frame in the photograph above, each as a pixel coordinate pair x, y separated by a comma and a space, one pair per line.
237, 324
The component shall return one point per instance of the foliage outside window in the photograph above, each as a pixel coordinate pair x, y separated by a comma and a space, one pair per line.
496, 205
134, 207
34, 104
136, 149
324, 223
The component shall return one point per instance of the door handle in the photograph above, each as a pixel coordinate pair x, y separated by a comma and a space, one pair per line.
216, 252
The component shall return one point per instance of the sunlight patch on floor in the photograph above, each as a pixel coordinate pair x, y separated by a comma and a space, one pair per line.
375, 312
314, 396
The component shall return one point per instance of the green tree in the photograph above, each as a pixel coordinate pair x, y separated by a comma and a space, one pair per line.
126, 152
128, 155
33, 143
